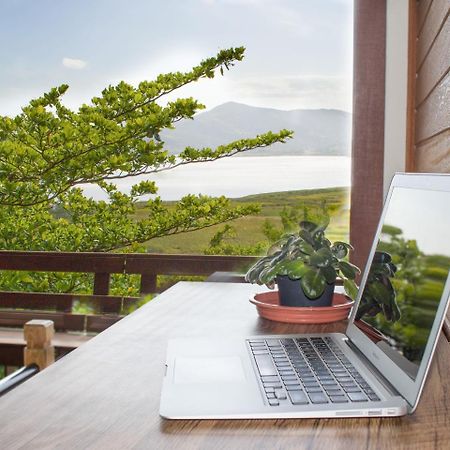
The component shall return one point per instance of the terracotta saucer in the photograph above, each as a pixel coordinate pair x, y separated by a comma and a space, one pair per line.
268, 307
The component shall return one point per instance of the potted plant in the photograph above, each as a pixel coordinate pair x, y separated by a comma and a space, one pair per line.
305, 266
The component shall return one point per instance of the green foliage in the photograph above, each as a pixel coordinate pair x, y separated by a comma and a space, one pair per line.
48, 151
379, 294
308, 256
222, 244
404, 297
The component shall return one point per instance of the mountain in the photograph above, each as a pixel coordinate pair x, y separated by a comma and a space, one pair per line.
316, 131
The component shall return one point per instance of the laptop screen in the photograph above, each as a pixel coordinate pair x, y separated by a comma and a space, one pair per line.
407, 276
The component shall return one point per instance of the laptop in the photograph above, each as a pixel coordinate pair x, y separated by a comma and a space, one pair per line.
377, 368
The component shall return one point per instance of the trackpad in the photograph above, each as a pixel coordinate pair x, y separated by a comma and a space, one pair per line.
209, 370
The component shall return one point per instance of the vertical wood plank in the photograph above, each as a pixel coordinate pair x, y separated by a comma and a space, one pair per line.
434, 21
101, 283
148, 283
411, 89
423, 8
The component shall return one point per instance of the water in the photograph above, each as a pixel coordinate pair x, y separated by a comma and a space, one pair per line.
237, 177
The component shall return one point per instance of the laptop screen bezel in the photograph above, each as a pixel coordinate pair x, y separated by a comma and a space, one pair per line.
410, 389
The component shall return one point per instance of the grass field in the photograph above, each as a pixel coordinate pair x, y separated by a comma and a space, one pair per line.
249, 229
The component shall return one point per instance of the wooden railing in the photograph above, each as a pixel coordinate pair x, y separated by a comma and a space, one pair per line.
102, 265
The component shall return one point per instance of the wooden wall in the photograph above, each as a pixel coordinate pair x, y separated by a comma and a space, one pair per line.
429, 115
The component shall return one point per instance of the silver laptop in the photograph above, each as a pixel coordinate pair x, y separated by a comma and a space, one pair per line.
377, 368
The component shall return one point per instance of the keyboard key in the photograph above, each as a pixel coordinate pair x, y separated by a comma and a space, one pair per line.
258, 346
281, 360
289, 378
343, 379
291, 383
334, 391
351, 389
313, 389
307, 379
270, 395
280, 394
329, 383
357, 397
311, 384
286, 372
273, 402
265, 365
270, 378
296, 387
273, 343
298, 397
281, 364
274, 384
338, 399
317, 397
373, 397
368, 391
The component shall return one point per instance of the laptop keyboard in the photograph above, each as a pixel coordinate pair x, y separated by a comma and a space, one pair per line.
308, 370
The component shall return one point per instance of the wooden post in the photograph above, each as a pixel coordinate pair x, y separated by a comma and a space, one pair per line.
148, 283
38, 336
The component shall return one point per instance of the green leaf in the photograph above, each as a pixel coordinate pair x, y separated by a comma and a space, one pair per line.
340, 249
305, 248
349, 270
351, 289
321, 258
267, 275
380, 293
329, 273
313, 284
294, 269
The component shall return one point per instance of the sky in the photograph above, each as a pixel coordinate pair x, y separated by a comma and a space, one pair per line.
298, 52
423, 215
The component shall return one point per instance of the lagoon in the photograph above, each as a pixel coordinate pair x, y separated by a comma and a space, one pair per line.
238, 176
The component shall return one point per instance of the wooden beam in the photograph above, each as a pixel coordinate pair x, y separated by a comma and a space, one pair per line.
368, 124
411, 89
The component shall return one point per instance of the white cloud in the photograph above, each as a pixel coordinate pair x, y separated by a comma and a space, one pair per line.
296, 92
72, 63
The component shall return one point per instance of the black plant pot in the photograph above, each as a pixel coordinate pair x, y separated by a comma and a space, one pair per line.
291, 293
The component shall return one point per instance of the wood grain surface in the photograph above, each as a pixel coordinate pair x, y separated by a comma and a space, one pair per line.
368, 125
423, 8
105, 394
429, 100
434, 154
431, 27
436, 64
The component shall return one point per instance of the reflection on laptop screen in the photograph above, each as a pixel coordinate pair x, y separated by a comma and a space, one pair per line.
407, 275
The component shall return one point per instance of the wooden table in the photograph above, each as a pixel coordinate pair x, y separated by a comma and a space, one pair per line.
106, 393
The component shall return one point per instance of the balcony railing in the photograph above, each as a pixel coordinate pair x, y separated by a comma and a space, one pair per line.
102, 265
17, 308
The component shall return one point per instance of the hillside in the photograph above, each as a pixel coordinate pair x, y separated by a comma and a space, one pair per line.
317, 131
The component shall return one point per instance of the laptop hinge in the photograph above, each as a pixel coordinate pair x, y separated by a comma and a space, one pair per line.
378, 375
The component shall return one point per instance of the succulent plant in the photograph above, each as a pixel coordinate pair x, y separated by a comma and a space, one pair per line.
307, 256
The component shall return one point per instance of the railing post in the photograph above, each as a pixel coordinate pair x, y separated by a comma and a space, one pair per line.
38, 336
148, 283
101, 283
